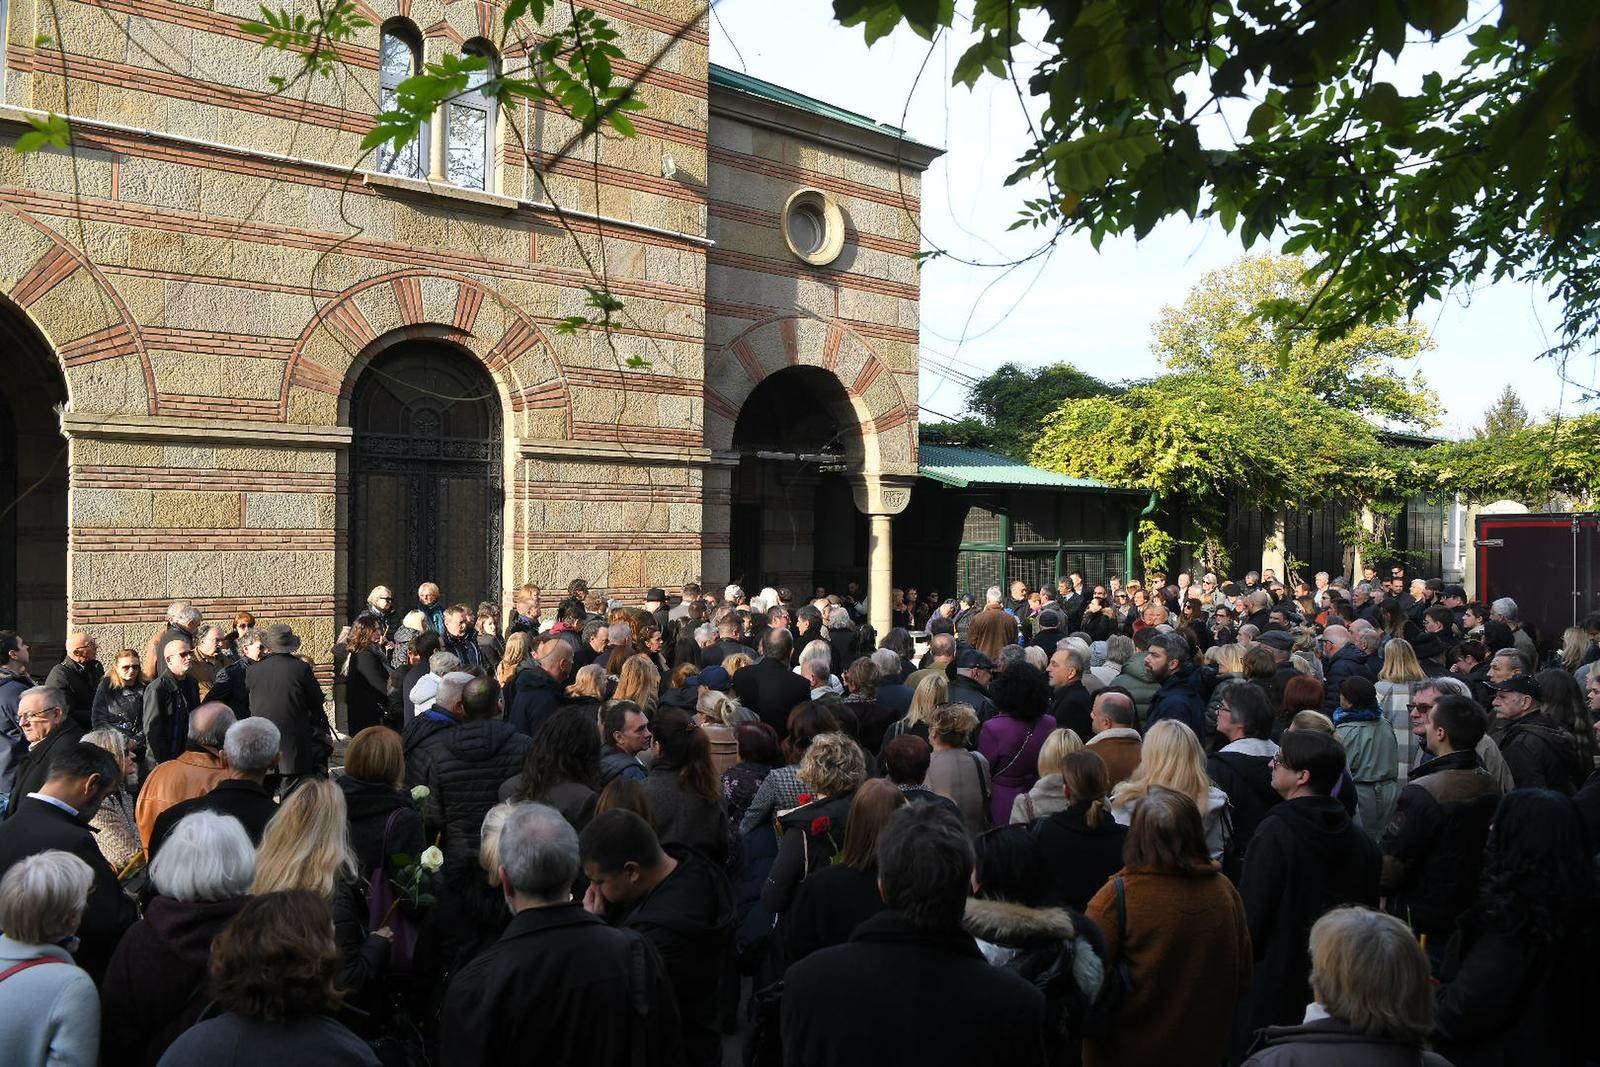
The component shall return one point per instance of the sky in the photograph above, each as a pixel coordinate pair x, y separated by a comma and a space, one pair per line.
1093, 309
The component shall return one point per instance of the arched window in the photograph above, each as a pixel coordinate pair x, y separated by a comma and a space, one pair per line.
470, 126
399, 55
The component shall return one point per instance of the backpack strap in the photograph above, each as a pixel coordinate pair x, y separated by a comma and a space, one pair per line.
25, 964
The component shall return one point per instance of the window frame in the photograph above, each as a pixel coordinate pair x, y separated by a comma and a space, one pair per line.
406, 32
488, 106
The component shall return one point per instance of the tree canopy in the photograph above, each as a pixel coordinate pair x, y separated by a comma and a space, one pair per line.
1506, 415
1488, 170
1010, 404
1221, 329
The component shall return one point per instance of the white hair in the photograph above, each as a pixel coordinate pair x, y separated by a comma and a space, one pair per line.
182, 613
887, 660
838, 617
992, 594
1337, 636
769, 595
252, 744
705, 633
731, 594
1506, 608
42, 897
207, 856
1035, 655
442, 662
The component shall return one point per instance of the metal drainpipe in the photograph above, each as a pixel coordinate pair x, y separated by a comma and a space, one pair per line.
1133, 531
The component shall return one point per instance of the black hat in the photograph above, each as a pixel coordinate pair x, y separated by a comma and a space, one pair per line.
1282, 640
656, 593
1525, 684
1455, 591
973, 659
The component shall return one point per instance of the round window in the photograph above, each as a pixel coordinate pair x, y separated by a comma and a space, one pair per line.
813, 226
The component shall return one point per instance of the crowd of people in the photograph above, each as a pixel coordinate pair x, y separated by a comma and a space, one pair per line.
1345, 821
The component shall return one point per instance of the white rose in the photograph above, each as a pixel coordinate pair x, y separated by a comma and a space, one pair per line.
420, 792
431, 859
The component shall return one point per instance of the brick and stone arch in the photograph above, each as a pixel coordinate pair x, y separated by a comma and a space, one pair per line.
80, 314
887, 439
344, 335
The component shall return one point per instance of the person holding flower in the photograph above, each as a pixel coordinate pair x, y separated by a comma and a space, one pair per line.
831, 771
307, 846
384, 821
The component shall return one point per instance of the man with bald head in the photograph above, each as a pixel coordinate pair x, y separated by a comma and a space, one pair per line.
168, 701
191, 773
77, 677
1116, 737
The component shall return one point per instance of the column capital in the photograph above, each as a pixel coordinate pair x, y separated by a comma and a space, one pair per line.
880, 494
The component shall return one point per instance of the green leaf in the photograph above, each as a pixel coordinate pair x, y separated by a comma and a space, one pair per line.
50, 131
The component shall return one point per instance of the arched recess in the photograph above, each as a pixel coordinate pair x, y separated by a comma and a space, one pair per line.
870, 396
427, 474
33, 487
792, 519
79, 314
370, 316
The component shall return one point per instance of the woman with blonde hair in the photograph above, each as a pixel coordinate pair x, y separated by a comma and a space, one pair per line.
640, 682
511, 659
1047, 795
1400, 669
956, 773
929, 694
735, 663
307, 846
718, 716
1574, 648
1173, 759
119, 700
832, 769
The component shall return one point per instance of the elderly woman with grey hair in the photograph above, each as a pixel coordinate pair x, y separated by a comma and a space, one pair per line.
202, 878
52, 1014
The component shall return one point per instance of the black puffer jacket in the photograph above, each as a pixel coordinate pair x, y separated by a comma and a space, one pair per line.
121, 710
468, 764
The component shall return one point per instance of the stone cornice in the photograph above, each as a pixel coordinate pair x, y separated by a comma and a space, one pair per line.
881, 146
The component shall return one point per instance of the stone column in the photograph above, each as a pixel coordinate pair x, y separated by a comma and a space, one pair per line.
1274, 553
881, 498
880, 571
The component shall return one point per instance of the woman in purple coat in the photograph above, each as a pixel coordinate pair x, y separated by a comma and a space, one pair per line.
1012, 739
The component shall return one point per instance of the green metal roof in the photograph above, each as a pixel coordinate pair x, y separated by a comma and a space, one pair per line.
744, 83
963, 467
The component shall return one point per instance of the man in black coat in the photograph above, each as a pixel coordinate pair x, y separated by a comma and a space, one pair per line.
970, 685
1070, 702
1242, 768
560, 980
464, 768
284, 689
768, 687
1049, 634
1305, 858
48, 731
683, 905
1539, 753
1433, 846
541, 686
251, 749
836, 1001
57, 816
168, 701
1168, 663
77, 677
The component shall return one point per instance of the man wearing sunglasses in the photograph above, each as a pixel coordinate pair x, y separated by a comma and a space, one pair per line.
168, 701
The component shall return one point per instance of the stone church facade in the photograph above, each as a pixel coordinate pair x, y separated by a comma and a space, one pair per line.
247, 366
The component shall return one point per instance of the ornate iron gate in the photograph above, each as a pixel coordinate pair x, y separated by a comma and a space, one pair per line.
426, 489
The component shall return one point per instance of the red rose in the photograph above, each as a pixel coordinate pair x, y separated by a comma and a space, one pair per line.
803, 798
821, 825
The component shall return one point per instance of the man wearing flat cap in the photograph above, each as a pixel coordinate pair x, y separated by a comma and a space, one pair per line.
284, 689
971, 683
1539, 753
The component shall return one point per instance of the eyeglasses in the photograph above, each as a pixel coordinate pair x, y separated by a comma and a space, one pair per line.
185, 655
1414, 706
